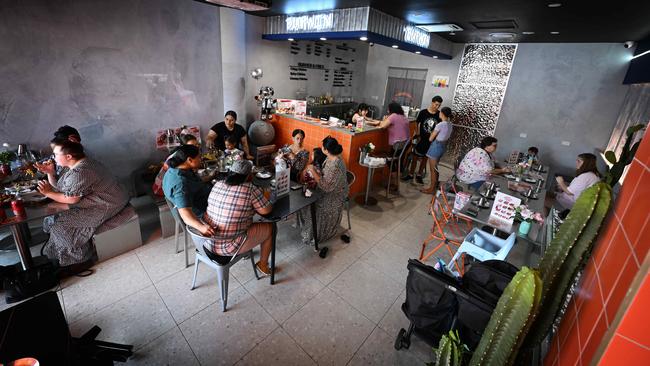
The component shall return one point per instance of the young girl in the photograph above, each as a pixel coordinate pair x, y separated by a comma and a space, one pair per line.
317, 163
361, 116
438, 139
231, 148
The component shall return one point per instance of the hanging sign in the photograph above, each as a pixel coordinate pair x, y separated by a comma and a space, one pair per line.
314, 22
416, 36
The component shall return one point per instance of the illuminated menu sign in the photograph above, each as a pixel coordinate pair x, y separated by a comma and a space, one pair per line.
416, 36
309, 23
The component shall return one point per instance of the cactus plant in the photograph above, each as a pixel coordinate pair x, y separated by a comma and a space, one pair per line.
627, 155
566, 256
510, 320
450, 351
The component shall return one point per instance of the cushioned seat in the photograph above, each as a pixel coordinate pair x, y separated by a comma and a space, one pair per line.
119, 234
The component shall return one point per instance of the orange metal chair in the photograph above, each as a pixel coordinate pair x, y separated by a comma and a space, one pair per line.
438, 237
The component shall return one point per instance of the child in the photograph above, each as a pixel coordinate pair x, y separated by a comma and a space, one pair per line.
531, 155
231, 148
317, 163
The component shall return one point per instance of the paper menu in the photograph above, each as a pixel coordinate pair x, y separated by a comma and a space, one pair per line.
503, 211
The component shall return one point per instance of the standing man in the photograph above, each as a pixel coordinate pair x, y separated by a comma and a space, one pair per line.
427, 120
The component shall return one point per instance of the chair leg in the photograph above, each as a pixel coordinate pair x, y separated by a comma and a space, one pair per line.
347, 206
390, 168
196, 271
176, 227
254, 267
223, 274
187, 256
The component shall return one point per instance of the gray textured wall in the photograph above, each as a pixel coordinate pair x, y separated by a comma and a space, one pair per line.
117, 70
563, 92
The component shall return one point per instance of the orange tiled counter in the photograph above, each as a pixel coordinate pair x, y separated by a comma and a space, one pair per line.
351, 142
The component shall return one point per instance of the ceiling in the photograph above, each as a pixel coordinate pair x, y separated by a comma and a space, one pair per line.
575, 20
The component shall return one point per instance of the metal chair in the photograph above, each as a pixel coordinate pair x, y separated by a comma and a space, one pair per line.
219, 263
483, 246
350, 177
178, 227
398, 151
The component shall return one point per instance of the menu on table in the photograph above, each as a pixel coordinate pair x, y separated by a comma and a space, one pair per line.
503, 211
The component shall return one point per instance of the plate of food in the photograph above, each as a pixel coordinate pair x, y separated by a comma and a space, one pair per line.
263, 175
509, 176
530, 180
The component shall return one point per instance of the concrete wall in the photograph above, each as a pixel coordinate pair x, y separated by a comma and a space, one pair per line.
563, 92
380, 58
117, 70
233, 59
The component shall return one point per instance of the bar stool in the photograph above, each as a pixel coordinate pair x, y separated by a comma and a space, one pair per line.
398, 151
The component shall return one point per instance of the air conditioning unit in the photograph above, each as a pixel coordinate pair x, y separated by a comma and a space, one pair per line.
245, 5
431, 28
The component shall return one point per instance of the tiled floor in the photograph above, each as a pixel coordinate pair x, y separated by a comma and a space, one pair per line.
344, 309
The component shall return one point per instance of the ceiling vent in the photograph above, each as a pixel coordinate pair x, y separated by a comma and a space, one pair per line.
431, 28
495, 24
245, 5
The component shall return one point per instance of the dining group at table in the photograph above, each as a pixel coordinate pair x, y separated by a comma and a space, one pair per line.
224, 208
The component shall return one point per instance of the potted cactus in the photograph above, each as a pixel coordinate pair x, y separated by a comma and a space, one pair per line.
627, 155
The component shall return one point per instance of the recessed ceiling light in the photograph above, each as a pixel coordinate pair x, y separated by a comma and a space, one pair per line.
452, 33
554, 5
502, 35
527, 33
290, 39
555, 32
435, 56
364, 38
418, 52
323, 39
395, 46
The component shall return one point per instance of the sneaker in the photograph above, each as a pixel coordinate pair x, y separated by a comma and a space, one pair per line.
418, 179
407, 178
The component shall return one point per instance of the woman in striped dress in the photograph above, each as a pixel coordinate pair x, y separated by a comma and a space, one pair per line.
93, 194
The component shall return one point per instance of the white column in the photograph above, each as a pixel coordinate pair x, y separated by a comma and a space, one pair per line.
233, 61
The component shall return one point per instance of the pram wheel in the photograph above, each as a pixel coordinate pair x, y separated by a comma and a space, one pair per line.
402, 340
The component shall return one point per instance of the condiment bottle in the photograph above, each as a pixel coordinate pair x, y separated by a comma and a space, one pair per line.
18, 208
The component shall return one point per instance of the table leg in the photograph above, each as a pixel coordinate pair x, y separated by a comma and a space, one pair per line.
314, 225
274, 233
22, 245
367, 200
368, 183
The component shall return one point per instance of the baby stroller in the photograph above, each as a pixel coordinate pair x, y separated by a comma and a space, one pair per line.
437, 302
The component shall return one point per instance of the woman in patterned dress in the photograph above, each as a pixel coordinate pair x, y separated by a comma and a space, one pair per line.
333, 184
93, 194
478, 164
297, 154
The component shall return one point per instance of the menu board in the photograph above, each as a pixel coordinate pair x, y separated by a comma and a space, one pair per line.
503, 211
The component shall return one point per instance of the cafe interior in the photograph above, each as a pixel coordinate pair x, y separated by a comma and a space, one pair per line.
360, 182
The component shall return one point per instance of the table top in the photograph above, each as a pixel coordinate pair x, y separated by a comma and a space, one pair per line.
483, 216
34, 213
289, 204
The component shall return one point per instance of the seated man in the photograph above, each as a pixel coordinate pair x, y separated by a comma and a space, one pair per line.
231, 206
68, 133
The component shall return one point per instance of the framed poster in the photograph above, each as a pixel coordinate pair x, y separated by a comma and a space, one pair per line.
440, 81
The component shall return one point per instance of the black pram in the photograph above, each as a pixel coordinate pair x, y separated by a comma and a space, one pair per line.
437, 302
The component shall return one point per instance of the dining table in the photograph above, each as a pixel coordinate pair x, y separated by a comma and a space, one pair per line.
20, 229
515, 185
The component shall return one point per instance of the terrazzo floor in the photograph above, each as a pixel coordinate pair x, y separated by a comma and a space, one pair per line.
341, 310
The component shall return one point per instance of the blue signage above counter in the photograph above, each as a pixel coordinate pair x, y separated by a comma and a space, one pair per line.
364, 23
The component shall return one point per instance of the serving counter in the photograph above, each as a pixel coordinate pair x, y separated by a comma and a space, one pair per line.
284, 125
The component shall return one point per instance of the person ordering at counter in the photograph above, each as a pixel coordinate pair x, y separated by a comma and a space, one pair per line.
220, 132
427, 120
185, 190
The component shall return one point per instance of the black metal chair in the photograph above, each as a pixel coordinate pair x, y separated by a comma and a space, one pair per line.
398, 152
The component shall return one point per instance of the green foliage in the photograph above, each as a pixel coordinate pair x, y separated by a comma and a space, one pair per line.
567, 255
6, 157
510, 320
450, 351
627, 155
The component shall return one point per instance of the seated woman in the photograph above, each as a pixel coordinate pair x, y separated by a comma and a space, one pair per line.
478, 164
298, 156
94, 196
332, 183
184, 188
586, 175
186, 139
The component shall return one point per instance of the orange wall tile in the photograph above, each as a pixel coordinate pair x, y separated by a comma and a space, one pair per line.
617, 259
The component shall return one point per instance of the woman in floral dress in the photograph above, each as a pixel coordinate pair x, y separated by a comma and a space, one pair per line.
478, 164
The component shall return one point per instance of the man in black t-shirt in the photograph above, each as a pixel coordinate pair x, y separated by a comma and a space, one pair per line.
427, 120
222, 130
